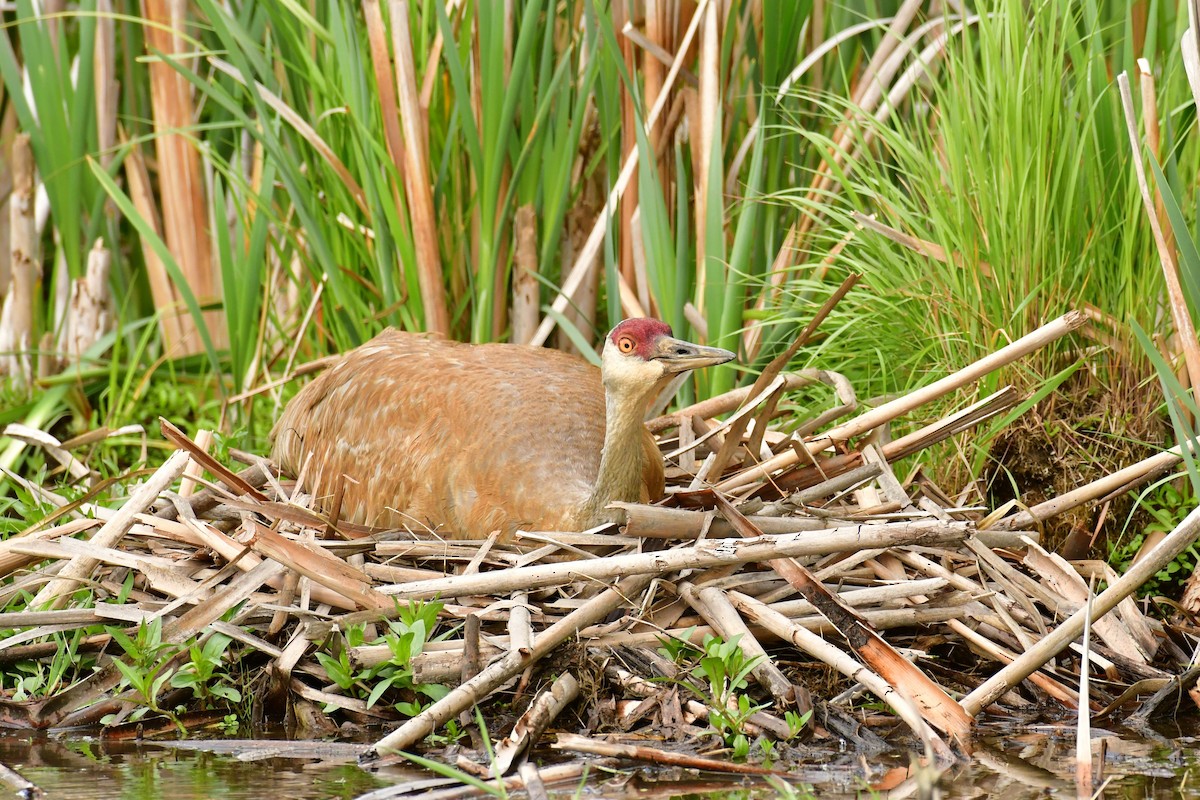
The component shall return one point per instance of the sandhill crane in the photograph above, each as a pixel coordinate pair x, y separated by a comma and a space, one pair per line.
469, 439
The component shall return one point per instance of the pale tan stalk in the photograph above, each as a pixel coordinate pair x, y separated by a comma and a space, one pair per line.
888, 411
381, 63
416, 175
56, 593
711, 553
526, 288
16, 323
1058, 639
180, 174
1179, 311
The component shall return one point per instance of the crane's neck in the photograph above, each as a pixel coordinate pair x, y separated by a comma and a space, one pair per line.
620, 476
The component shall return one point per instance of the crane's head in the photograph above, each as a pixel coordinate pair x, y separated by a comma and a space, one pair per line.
641, 352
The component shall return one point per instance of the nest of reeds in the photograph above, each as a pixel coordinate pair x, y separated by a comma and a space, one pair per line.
787, 577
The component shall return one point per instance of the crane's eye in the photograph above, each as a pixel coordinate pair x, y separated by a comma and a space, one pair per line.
626, 345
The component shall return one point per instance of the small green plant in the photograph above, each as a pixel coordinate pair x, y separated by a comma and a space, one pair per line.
230, 724
679, 649
796, 722
405, 638
717, 679
205, 672
1168, 506
145, 672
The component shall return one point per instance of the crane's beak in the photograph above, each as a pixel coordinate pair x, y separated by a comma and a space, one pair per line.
680, 356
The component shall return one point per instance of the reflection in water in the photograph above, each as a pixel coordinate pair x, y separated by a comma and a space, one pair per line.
88, 768
1011, 761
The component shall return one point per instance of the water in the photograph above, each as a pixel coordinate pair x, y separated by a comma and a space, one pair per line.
1013, 763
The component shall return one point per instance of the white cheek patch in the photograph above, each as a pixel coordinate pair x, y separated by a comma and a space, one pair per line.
622, 369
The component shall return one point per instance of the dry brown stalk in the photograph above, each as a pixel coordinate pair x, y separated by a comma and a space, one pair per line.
87, 316
417, 185
317, 565
381, 64
872, 419
180, 175
526, 288
818, 648
107, 88
471, 692
711, 553
16, 319
1054, 642
583, 744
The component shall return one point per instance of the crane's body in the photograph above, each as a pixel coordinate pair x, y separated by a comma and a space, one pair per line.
469, 439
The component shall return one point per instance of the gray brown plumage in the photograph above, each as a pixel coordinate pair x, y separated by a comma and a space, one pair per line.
468, 439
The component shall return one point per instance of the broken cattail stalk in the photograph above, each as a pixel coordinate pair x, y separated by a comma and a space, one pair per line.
57, 592
180, 174
470, 693
16, 321
711, 553
529, 727
583, 744
1122, 479
818, 648
1054, 642
902, 405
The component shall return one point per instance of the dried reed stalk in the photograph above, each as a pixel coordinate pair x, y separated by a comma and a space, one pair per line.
583, 744
381, 63
891, 410
88, 315
181, 178
16, 321
56, 593
417, 185
526, 288
529, 726
715, 608
1180, 314
711, 553
141, 192
1054, 642
107, 89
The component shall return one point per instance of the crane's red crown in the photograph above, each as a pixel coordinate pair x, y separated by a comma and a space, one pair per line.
644, 332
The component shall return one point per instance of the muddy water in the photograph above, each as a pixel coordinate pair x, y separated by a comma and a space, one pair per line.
1012, 764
